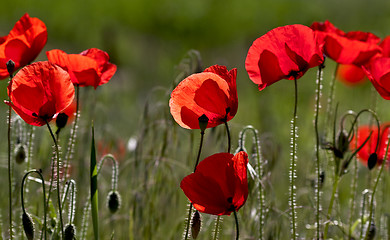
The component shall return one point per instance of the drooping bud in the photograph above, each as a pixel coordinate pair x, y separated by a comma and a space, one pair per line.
372, 160
10, 67
196, 223
113, 201
61, 120
28, 226
203, 121
20, 153
70, 232
371, 231
342, 142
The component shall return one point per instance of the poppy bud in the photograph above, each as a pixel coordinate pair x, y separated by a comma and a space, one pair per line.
20, 153
61, 120
371, 231
28, 226
372, 160
70, 232
196, 223
322, 179
113, 201
203, 121
10, 66
342, 142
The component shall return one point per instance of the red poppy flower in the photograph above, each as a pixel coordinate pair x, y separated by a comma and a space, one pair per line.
219, 185
40, 91
212, 93
350, 74
23, 44
89, 68
385, 45
347, 48
378, 72
282, 53
369, 148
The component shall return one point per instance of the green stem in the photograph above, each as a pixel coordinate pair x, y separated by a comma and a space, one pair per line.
58, 178
332, 198
317, 150
237, 228
228, 136
374, 189
10, 165
72, 139
44, 195
10, 174
292, 173
260, 172
196, 164
216, 228
331, 95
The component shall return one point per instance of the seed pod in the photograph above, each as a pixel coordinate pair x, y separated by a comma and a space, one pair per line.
113, 201
70, 232
20, 153
28, 226
196, 223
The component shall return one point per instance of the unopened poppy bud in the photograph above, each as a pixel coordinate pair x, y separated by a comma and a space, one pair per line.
10, 66
196, 223
113, 201
342, 142
70, 232
203, 121
20, 153
372, 160
61, 120
28, 226
371, 231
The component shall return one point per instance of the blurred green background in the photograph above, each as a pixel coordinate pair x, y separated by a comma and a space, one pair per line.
148, 39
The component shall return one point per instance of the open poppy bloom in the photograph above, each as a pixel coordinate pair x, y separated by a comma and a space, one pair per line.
385, 45
212, 93
219, 185
369, 148
283, 53
347, 48
378, 72
89, 68
23, 44
350, 74
40, 91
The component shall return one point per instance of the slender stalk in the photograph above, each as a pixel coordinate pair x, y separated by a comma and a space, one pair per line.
72, 139
216, 228
237, 228
9, 162
200, 149
353, 194
58, 178
44, 200
228, 136
331, 95
374, 190
317, 150
260, 172
10, 174
292, 173
196, 164
330, 208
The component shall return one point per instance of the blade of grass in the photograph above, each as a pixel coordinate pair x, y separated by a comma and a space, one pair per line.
94, 189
